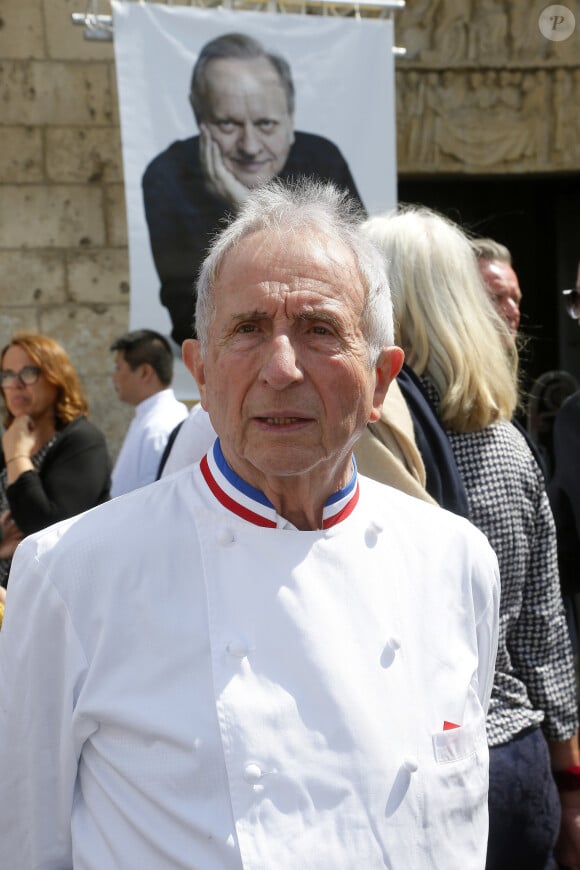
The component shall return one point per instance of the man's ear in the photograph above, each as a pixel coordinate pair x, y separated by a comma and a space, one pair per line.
193, 359
146, 373
387, 368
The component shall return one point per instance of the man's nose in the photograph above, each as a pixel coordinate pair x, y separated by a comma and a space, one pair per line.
249, 141
280, 367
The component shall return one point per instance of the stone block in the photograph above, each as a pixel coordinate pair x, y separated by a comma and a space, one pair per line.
21, 155
116, 215
116, 117
32, 278
64, 217
99, 277
21, 158
87, 332
55, 93
21, 30
88, 155
66, 40
15, 320
107, 412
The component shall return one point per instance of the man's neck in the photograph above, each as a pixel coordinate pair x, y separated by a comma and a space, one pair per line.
299, 498
297, 501
149, 395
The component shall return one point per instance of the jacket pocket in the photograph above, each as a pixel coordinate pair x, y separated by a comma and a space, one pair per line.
459, 743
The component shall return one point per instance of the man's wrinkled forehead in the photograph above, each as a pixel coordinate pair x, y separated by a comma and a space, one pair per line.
497, 273
308, 253
222, 74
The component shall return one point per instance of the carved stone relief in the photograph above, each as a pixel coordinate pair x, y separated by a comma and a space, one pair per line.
566, 126
496, 32
482, 90
477, 120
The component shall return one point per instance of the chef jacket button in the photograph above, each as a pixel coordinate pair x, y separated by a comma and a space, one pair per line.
226, 537
410, 764
394, 643
252, 773
237, 648
372, 533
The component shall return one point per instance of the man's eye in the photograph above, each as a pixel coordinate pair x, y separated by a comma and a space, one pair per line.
246, 328
226, 126
267, 126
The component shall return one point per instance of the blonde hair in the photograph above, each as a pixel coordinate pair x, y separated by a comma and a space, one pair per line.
444, 319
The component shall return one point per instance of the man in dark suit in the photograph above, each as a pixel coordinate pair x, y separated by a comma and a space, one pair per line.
243, 101
565, 484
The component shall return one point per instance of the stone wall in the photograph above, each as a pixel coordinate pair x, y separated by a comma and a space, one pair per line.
63, 240
481, 90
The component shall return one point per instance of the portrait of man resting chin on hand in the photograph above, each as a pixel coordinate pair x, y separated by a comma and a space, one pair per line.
243, 101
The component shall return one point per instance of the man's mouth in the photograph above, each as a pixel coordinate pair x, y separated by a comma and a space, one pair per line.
252, 164
281, 421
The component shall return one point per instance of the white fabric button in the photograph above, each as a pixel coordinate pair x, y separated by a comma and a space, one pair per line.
410, 764
372, 533
252, 773
388, 654
226, 537
238, 649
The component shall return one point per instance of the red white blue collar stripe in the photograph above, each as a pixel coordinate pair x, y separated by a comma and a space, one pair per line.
252, 505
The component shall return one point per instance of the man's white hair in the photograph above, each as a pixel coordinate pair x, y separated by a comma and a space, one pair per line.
306, 208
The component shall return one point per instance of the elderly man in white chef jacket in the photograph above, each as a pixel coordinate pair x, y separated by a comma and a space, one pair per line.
264, 660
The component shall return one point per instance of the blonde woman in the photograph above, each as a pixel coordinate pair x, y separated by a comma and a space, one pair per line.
456, 343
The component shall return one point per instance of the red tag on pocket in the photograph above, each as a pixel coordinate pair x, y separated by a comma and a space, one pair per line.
447, 726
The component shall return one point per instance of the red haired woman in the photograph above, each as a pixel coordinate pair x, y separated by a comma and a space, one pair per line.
53, 463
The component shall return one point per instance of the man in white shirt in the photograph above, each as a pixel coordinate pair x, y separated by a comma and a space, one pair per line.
264, 660
142, 378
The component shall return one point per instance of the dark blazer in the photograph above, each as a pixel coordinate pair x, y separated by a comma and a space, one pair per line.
183, 215
75, 476
564, 492
443, 481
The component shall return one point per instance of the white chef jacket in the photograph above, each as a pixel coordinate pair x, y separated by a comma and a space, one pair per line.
185, 687
193, 440
143, 445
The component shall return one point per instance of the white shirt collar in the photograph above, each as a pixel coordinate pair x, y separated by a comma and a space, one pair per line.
152, 400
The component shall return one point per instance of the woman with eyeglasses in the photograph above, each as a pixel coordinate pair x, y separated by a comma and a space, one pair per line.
54, 463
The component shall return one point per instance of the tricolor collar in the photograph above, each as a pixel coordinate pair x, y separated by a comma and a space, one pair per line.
252, 505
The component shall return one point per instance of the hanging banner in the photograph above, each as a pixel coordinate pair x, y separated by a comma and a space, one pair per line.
214, 102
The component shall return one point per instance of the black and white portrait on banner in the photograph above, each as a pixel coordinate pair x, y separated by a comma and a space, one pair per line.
214, 102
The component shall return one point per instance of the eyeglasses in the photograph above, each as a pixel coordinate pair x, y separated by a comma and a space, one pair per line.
27, 376
572, 300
